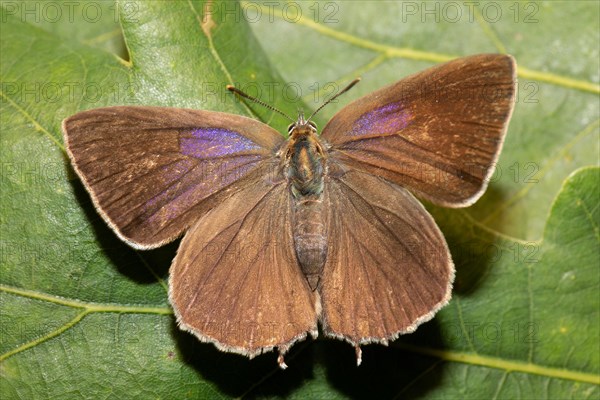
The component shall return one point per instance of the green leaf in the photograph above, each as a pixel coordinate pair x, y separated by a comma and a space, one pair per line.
87, 22
84, 315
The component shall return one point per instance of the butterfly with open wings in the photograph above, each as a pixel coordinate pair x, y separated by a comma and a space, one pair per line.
281, 234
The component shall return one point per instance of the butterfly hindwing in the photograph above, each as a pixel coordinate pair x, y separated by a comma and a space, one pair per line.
388, 268
236, 281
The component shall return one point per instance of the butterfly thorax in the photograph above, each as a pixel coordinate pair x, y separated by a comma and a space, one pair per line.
305, 167
304, 164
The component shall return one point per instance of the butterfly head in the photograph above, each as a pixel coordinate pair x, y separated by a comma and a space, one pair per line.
302, 127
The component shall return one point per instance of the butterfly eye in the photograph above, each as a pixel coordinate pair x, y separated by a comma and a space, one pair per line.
291, 127
313, 125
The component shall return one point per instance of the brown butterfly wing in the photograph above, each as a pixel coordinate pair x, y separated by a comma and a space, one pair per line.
438, 132
388, 268
153, 171
236, 282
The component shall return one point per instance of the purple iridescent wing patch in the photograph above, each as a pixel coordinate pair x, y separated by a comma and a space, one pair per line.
386, 120
152, 171
217, 158
209, 142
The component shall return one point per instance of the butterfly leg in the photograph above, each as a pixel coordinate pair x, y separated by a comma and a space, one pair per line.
281, 361
358, 355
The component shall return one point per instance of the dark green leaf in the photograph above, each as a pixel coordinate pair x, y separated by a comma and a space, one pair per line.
84, 316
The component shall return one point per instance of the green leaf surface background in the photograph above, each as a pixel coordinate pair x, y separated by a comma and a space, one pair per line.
82, 315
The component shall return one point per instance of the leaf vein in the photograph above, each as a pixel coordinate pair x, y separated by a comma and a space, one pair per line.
504, 364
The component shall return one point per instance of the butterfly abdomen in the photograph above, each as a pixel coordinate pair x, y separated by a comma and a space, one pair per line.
305, 170
310, 237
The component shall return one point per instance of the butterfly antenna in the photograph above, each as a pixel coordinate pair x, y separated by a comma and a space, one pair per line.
344, 90
237, 91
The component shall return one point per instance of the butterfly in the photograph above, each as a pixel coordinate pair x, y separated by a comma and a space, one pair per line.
280, 234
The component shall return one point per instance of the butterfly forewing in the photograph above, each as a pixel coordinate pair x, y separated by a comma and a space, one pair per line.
388, 267
438, 132
153, 171
236, 281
